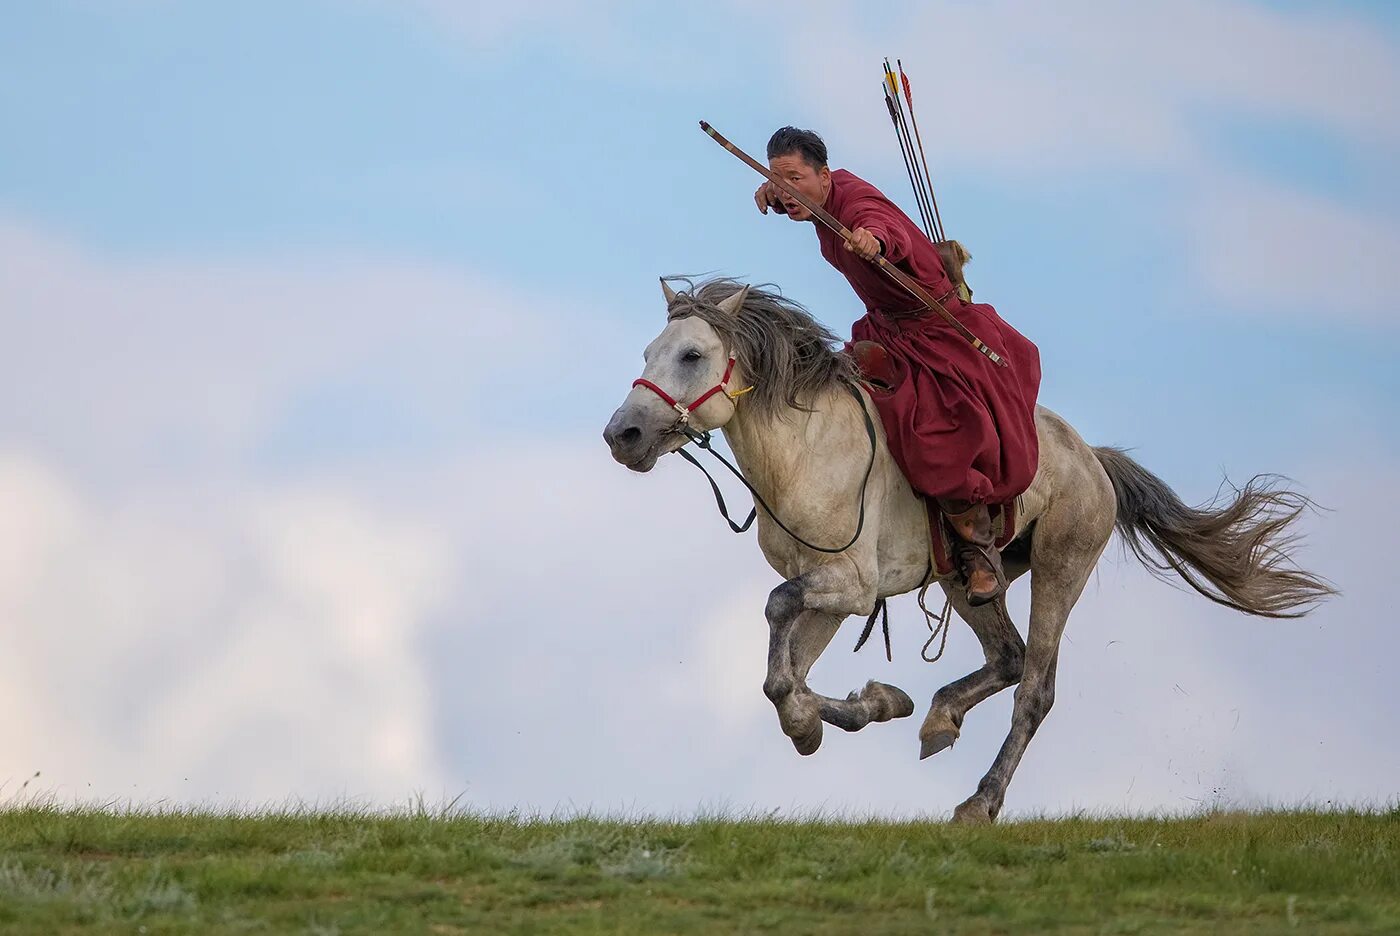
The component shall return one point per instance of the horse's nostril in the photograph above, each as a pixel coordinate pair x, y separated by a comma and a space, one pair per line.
622, 440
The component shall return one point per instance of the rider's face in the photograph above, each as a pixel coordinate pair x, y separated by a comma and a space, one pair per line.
814, 183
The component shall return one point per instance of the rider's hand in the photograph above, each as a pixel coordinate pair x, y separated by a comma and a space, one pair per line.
865, 244
767, 197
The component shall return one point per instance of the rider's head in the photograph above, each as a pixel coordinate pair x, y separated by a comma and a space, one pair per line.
799, 158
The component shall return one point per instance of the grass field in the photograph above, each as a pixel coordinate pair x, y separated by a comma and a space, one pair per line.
73, 870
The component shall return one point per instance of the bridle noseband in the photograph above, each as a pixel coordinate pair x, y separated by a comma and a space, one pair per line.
702, 439
683, 420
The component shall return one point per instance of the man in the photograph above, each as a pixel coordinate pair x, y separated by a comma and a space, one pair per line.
961, 428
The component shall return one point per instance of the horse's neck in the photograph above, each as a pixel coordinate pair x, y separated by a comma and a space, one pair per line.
775, 455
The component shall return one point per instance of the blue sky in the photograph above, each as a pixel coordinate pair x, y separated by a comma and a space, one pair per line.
336, 260
184, 130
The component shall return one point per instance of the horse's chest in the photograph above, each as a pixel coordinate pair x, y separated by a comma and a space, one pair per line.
780, 550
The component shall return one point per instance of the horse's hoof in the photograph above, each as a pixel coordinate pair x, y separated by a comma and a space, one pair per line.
890, 701
973, 811
936, 742
808, 742
938, 731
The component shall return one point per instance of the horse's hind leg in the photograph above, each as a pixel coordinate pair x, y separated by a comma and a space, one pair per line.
1034, 696
1063, 555
1005, 654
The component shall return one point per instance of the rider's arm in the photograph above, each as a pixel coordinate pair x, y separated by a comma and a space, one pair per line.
875, 216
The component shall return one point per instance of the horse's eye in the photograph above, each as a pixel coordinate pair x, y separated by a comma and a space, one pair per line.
691, 356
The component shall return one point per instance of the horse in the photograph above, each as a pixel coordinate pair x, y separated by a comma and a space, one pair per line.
792, 405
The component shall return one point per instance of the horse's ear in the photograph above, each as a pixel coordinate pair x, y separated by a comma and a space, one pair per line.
732, 303
669, 293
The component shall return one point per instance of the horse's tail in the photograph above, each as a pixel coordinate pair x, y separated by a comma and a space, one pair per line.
1235, 554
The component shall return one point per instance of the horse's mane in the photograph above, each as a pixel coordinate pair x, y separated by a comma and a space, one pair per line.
786, 353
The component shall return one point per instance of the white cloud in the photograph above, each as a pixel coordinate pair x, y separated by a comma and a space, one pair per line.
1196, 703
618, 639
129, 367
1278, 250
602, 645
1033, 92
1081, 85
253, 644
1013, 82
524, 620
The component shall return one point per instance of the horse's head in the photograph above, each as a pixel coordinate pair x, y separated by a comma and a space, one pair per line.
687, 381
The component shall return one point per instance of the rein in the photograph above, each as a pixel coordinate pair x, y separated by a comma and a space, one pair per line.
702, 440
938, 626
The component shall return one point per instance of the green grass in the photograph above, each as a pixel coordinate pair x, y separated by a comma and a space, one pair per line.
66, 870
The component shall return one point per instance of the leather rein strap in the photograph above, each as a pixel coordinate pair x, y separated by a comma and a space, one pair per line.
702, 439
896, 274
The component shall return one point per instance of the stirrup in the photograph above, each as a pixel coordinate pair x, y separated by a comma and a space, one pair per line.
978, 600
994, 561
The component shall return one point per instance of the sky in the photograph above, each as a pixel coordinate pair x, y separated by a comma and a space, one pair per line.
312, 314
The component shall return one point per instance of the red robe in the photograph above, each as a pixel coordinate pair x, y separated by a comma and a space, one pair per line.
958, 425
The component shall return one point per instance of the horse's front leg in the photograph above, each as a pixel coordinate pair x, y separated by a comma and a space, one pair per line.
803, 616
797, 711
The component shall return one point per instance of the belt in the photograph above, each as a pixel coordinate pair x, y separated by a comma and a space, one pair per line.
922, 312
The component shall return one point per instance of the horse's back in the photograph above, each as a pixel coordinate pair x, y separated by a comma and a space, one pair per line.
1069, 475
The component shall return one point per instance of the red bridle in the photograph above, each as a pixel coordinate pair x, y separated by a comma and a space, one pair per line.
683, 409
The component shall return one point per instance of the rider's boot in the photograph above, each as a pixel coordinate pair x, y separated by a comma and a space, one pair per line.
977, 557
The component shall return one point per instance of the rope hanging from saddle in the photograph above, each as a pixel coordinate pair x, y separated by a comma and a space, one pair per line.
937, 624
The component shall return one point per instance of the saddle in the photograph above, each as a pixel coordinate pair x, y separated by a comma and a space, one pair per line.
877, 366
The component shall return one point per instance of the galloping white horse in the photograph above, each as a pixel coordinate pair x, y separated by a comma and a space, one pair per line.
800, 438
